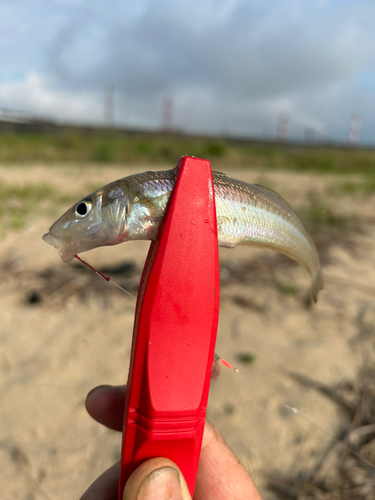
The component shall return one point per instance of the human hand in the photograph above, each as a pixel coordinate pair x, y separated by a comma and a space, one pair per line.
221, 475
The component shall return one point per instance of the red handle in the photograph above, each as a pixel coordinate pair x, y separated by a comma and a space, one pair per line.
175, 331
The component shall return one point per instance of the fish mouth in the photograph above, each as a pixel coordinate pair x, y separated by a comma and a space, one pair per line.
66, 253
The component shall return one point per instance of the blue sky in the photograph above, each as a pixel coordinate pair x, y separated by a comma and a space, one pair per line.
231, 66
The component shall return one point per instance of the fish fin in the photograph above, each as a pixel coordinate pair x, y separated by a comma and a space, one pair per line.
275, 193
218, 174
316, 285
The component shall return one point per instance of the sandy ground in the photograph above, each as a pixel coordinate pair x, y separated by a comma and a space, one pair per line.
53, 351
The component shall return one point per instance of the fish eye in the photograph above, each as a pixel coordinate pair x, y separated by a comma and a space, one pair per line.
83, 208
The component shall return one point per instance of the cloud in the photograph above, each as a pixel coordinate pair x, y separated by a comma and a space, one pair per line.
231, 65
37, 94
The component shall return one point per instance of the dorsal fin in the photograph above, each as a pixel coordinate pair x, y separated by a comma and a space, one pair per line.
218, 174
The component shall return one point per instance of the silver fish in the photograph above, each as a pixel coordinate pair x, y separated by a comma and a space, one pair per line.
132, 208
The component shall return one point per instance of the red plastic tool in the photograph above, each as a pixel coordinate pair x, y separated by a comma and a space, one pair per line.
175, 331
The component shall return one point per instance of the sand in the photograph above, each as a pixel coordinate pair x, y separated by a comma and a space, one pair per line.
55, 349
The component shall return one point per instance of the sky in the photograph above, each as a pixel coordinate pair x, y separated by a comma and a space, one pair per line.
232, 67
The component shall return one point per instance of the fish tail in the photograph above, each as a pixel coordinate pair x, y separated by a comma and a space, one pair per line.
316, 285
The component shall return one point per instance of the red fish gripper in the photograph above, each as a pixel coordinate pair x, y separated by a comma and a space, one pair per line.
175, 331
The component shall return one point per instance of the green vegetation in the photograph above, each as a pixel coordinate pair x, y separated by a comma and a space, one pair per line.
116, 148
361, 188
284, 287
319, 217
120, 148
246, 357
21, 203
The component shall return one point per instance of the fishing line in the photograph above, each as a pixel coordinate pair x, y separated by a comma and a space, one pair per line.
225, 363
107, 278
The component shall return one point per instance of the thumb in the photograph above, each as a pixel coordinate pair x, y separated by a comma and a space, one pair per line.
156, 479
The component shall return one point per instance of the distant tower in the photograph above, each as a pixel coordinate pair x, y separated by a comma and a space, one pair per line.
109, 106
282, 128
167, 114
355, 129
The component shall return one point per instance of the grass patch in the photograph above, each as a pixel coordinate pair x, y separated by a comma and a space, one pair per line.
285, 287
105, 152
122, 147
22, 203
26, 192
364, 187
246, 358
117, 148
319, 217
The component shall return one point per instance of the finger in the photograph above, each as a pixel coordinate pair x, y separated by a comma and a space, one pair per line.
221, 475
155, 479
105, 487
105, 404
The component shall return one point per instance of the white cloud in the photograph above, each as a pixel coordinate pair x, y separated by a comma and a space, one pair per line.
36, 94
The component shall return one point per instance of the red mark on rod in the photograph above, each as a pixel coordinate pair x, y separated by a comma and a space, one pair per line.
226, 364
93, 268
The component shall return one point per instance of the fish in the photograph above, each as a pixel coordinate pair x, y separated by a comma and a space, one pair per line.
133, 208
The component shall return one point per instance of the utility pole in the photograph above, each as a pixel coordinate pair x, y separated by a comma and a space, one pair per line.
355, 129
282, 128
